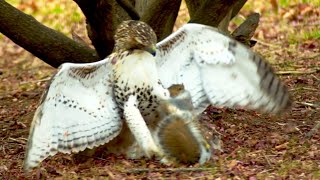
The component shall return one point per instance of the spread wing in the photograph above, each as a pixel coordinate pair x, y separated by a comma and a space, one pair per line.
76, 112
218, 70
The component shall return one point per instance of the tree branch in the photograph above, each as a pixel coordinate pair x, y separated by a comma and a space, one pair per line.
144, 170
161, 16
246, 30
49, 45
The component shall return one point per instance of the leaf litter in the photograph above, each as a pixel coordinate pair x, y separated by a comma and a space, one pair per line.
252, 145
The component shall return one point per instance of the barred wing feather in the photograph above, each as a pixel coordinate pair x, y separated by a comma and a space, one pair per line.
77, 112
217, 70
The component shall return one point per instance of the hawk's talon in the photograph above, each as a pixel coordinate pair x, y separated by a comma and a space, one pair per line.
168, 161
153, 150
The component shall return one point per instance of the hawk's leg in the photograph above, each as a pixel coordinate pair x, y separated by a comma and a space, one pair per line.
139, 128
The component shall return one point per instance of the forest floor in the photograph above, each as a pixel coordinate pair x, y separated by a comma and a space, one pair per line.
254, 146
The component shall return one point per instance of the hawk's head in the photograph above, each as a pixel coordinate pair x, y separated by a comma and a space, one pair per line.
132, 35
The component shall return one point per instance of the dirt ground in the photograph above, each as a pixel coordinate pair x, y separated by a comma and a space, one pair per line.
254, 146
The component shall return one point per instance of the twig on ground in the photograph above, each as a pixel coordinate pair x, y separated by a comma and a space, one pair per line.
306, 24
254, 152
110, 174
20, 141
24, 139
265, 171
281, 124
142, 170
21, 124
297, 72
296, 128
308, 104
315, 77
268, 161
313, 130
99, 158
304, 88
267, 44
311, 57
35, 81
3, 148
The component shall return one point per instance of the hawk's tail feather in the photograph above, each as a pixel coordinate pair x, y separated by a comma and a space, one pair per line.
272, 85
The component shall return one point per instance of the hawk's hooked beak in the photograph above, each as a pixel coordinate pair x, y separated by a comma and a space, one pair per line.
151, 49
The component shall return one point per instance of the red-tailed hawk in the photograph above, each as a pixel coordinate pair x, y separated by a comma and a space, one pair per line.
86, 105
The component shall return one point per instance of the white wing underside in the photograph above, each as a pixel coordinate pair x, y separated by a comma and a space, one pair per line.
217, 70
77, 112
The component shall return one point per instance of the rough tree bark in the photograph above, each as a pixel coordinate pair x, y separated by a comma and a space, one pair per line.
142, 5
103, 16
129, 8
212, 12
220, 13
49, 45
161, 16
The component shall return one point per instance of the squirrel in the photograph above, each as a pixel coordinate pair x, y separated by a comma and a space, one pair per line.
178, 131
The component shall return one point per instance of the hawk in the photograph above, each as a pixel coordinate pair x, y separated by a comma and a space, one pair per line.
87, 105
175, 129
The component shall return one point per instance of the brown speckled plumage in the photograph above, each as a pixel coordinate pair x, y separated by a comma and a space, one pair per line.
132, 35
129, 37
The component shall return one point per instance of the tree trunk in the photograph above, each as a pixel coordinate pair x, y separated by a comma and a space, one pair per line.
237, 7
129, 8
161, 16
246, 30
193, 6
102, 17
211, 12
142, 5
49, 45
